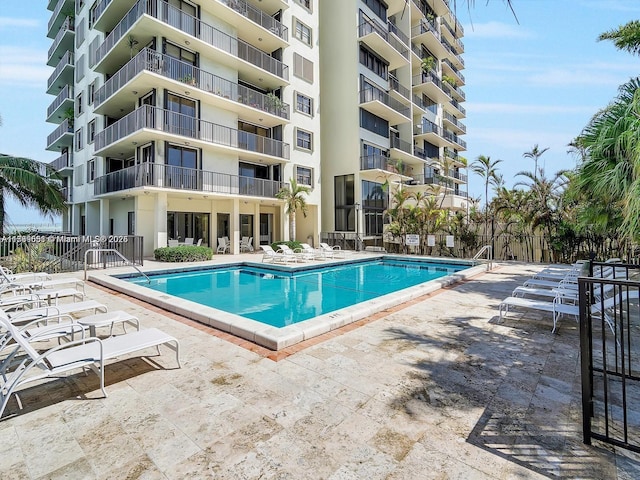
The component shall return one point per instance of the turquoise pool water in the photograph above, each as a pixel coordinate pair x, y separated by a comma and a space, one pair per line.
281, 298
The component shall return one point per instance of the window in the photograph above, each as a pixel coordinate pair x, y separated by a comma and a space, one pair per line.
80, 68
374, 203
304, 139
377, 7
373, 123
131, 223
373, 62
302, 32
304, 176
78, 175
91, 170
78, 142
79, 106
305, 3
92, 14
91, 93
344, 203
302, 68
304, 104
80, 33
91, 131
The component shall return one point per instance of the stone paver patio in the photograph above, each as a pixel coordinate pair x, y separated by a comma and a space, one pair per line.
437, 389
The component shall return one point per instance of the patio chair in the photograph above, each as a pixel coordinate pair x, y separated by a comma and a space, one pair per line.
335, 251
51, 312
172, 243
558, 306
298, 256
17, 297
316, 253
269, 255
10, 277
199, 242
188, 241
246, 244
79, 354
223, 246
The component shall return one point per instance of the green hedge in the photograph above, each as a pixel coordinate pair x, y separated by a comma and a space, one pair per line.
183, 253
292, 245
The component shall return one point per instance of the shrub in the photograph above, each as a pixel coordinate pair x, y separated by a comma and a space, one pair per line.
292, 245
184, 253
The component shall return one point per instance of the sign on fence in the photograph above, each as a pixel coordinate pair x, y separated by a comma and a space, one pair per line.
412, 240
431, 240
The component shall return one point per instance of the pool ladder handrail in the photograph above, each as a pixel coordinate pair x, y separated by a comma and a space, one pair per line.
489, 250
112, 250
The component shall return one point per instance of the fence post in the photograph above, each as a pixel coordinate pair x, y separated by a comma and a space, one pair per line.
585, 360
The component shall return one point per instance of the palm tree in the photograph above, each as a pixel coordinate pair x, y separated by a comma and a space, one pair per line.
32, 184
485, 168
626, 37
535, 154
294, 200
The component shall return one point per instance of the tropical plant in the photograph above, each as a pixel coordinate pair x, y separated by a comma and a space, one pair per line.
70, 115
535, 155
450, 80
293, 196
274, 102
487, 169
428, 64
626, 37
32, 184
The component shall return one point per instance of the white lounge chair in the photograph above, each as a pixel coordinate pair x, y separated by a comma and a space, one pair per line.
246, 244
51, 312
172, 243
557, 306
332, 252
298, 256
188, 241
51, 296
8, 276
269, 255
315, 253
80, 354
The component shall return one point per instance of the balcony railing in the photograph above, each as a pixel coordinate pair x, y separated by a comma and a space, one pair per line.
371, 94
369, 26
63, 128
399, 144
423, 27
180, 178
67, 59
65, 94
452, 137
174, 69
420, 153
452, 154
394, 84
67, 26
174, 123
452, 67
428, 77
256, 15
379, 162
427, 127
174, 17
396, 31
460, 108
457, 175
100, 8
458, 90
63, 161
454, 120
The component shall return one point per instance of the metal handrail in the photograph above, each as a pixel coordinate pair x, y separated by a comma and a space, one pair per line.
489, 250
112, 250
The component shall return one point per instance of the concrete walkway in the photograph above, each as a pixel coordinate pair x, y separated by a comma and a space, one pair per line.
438, 389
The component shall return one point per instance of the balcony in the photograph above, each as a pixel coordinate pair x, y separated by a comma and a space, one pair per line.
62, 75
380, 167
455, 108
454, 139
149, 123
60, 137
63, 42
398, 91
426, 32
457, 176
453, 156
432, 133
149, 18
256, 26
62, 102
159, 175
384, 43
453, 123
429, 84
63, 164
448, 68
405, 151
58, 17
149, 69
454, 92
379, 103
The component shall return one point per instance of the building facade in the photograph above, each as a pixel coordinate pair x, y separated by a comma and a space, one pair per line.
182, 119
390, 84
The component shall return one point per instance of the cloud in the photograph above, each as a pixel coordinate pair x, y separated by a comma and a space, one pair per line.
7, 22
523, 109
24, 67
496, 30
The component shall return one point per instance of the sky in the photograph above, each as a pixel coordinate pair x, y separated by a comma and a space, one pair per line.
536, 78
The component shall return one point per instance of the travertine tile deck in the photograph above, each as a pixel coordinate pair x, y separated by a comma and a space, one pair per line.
437, 389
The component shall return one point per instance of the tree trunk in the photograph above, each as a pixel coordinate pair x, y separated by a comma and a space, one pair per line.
292, 226
1, 212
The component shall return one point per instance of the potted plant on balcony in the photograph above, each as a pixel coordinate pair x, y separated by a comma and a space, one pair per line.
450, 80
70, 115
273, 102
188, 79
428, 64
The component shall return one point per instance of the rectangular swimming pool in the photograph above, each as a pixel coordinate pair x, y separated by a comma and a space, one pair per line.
281, 298
277, 306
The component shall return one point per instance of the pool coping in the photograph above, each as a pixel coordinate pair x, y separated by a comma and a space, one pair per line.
275, 338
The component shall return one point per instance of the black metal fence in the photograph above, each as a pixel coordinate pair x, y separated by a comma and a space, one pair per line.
60, 252
610, 353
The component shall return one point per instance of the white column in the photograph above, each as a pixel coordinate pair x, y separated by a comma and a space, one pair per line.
104, 217
234, 226
160, 220
256, 226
